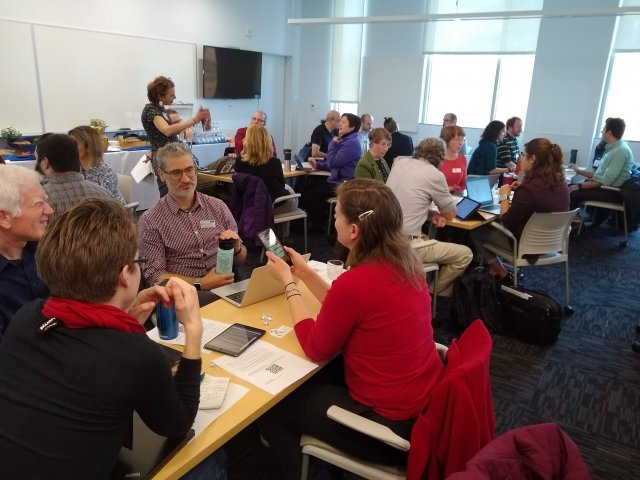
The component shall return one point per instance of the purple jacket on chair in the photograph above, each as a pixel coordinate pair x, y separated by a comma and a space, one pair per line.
342, 158
251, 207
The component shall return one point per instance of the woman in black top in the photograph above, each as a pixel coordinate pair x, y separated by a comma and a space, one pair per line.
74, 367
156, 122
257, 160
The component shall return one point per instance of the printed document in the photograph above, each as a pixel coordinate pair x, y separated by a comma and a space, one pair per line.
267, 366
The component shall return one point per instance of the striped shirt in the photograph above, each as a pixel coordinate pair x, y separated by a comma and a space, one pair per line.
66, 190
508, 151
182, 242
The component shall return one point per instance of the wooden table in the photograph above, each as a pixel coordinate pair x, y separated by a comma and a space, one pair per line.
256, 401
227, 177
470, 224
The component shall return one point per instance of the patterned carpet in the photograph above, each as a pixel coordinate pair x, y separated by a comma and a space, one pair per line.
588, 382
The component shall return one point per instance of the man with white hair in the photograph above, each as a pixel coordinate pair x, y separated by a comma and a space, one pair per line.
24, 213
258, 118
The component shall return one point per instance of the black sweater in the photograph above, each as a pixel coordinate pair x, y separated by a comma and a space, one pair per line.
67, 398
270, 173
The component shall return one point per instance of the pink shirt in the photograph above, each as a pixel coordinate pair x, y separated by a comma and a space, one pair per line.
382, 326
456, 172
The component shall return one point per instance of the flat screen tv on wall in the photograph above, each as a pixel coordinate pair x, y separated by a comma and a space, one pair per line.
231, 73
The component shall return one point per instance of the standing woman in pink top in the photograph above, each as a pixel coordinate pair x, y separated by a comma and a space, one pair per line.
454, 166
390, 359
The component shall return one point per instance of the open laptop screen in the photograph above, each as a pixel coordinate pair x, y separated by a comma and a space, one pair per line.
479, 189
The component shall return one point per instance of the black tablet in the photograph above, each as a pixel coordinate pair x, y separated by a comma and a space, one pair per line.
235, 339
466, 208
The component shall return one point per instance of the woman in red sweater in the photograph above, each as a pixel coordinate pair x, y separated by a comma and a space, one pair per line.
378, 315
454, 166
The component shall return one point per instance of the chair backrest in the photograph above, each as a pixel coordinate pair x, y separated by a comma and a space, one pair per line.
459, 419
546, 233
124, 183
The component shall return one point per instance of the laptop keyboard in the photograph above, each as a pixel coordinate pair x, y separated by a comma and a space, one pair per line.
237, 297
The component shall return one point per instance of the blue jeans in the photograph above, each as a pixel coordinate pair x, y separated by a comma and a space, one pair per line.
214, 467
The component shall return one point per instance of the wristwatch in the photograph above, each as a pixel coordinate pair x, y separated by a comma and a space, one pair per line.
196, 283
503, 197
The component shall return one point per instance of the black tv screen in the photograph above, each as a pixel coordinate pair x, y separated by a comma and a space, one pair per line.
231, 73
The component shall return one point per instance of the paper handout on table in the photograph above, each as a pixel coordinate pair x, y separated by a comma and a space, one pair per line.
210, 329
142, 169
267, 367
204, 417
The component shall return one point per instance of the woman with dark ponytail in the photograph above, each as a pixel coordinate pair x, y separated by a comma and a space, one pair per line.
543, 189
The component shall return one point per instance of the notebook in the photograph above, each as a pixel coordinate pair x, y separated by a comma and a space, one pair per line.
479, 189
261, 286
149, 452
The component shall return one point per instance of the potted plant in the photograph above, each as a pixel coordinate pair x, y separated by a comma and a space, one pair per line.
10, 134
99, 124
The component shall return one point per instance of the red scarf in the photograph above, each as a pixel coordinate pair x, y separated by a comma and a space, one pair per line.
75, 314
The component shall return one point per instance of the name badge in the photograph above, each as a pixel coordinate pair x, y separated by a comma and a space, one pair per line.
207, 224
456, 170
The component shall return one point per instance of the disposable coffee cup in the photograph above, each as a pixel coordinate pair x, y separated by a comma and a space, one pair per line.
167, 321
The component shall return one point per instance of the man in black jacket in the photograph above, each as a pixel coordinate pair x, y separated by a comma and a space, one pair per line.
401, 144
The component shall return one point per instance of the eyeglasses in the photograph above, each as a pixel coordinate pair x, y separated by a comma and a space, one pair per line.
141, 261
258, 120
177, 174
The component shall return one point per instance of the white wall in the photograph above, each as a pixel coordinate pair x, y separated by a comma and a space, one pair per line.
311, 92
246, 24
569, 74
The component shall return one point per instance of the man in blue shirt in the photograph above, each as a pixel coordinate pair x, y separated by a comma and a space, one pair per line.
24, 213
614, 168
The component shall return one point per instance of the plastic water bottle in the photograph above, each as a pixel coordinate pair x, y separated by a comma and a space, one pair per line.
224, 262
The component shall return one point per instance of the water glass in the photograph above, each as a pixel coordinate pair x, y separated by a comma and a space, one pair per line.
569, 173
334, 269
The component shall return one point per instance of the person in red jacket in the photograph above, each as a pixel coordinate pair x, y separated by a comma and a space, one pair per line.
378, 315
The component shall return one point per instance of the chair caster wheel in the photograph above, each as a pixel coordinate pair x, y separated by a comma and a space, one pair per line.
636, 347
568, 310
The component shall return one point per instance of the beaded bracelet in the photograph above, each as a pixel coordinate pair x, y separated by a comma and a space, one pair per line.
290, 283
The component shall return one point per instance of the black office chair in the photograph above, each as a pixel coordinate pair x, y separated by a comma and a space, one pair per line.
229, 150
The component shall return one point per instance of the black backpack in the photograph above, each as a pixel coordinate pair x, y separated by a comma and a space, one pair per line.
475, 296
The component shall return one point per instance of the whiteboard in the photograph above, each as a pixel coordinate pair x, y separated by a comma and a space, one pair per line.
85, 74
18, 86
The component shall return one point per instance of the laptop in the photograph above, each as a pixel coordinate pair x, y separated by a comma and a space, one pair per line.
261, 286
479, 189
306, 166
220, 166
